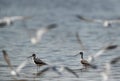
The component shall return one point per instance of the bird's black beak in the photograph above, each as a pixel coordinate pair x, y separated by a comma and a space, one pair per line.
29, 56
74, 55
77, 54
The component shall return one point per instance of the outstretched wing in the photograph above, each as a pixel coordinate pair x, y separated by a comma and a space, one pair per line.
83, 48
6, 57
14, 18
115, 60
39, 33
101, 51
22, 65
88, 19
80, 42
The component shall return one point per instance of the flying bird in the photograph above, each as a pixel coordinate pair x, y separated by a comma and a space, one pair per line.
105, 72
57, 69
106, 23
12, 70
107, 68
6, 21
115, 60
91, 58
82, 46
40, 32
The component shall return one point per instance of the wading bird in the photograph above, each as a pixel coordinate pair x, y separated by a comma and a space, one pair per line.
37, 61
91, 58
106, 23
85, 63
57, 69
100, 52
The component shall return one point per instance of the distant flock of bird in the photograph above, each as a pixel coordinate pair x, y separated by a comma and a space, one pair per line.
7, 21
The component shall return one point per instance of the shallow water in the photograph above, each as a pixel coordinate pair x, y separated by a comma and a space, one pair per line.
60, 43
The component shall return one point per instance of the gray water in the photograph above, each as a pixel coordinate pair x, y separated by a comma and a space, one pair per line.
60, 43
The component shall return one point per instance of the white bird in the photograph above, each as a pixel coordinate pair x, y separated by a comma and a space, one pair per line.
18, 69
107, 69
91, 58
106, 23
57, 69
40, 32
6, 21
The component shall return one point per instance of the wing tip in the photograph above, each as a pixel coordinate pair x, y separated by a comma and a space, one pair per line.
79, 16
51, 26
111, 47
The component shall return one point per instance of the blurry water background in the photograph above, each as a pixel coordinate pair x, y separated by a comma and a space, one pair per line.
60, 43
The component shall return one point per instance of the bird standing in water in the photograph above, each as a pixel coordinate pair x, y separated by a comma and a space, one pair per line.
91, 58
37, 61
85, 63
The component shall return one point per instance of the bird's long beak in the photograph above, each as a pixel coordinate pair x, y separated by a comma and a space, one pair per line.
75, 55
29, 57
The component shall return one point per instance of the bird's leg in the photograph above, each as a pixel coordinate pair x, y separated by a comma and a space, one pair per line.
37, 68
85, 67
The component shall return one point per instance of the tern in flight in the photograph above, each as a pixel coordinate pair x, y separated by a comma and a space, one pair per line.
106, 23
6, 21
105, 73
13, 72
40, 32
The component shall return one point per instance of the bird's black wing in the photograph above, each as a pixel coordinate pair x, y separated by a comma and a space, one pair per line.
6, 57
115, 60
37, 60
